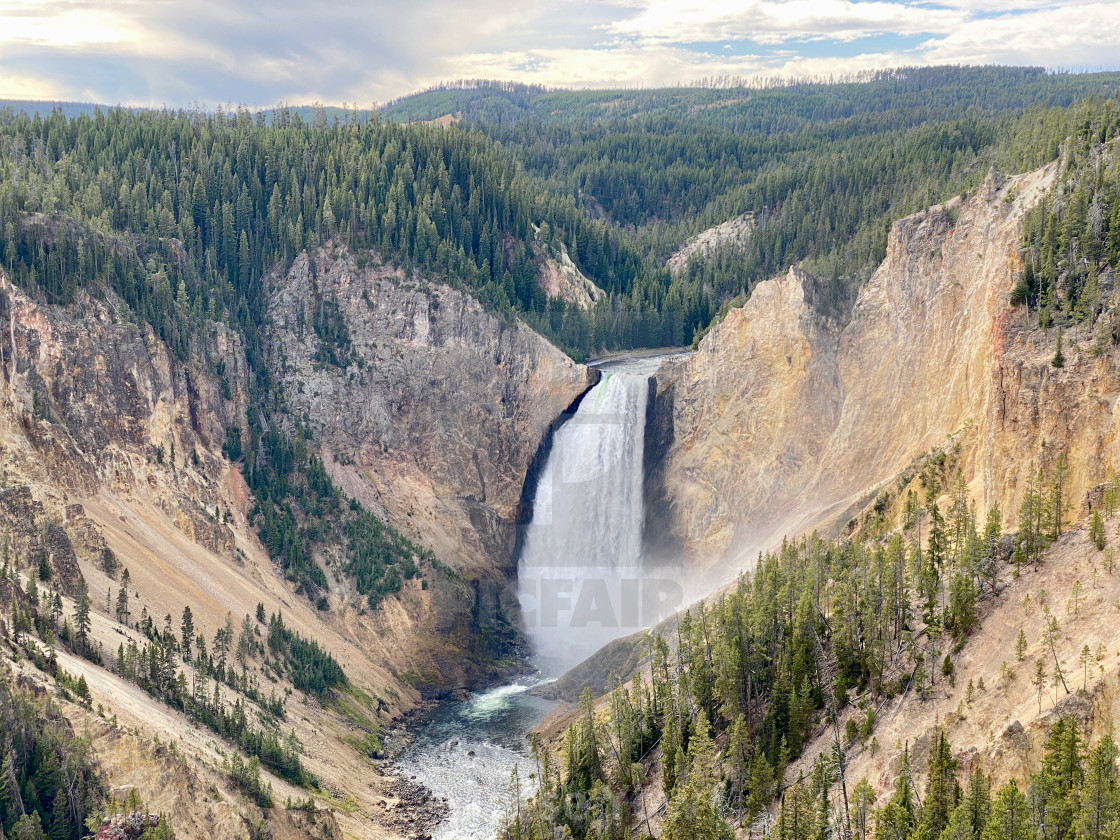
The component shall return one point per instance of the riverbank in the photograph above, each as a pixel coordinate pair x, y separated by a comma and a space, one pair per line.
415, 809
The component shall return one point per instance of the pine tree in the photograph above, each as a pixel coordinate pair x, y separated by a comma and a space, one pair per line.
761, 787
1039, 680
1053, 789
60, 818
1098, 815
670, 750
1096, 531
692, 812
863, 801
122, 606
738, 754
56, 608
1058, 493
28, 827
33, 592
1059, 359
988, 564
896, 820
1010, 816
978, 801
959, 826
187, 628
942, 790
81, 617
10, 794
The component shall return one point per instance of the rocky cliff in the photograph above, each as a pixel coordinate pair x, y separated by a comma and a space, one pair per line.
785, 417
707, 241
94, 407
429, 411
111, 455
559, 277
437, 410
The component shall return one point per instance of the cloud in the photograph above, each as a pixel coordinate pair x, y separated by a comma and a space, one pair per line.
260, 52
1076, 35
774, 22
652, 66
65, 24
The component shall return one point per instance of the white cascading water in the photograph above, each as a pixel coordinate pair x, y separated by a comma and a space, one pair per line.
582, 585
580, 565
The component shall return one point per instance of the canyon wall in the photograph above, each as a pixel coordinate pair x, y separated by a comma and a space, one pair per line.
437, 412
786, 419
112, 446
431, 420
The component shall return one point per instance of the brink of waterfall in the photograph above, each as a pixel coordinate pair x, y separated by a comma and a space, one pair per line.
580, 571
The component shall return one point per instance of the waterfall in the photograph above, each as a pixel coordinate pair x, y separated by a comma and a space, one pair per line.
581, 562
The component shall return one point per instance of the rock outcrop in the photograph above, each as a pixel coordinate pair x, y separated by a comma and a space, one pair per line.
745, 434
437, 412
560, 278
785, 417
430, 412
95, 405
126, 826
730, 232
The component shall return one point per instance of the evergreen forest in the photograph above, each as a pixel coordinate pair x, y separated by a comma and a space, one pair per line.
825, 631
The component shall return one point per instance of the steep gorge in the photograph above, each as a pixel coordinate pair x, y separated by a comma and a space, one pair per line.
108, 442
787, 418
431, 420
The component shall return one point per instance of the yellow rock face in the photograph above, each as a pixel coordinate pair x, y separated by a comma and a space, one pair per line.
784, 418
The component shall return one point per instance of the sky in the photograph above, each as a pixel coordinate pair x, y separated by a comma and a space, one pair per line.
259, 53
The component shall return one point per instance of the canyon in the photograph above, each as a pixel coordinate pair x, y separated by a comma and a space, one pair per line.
108, 443
436, 415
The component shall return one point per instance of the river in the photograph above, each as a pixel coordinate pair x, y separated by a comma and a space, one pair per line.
465, 752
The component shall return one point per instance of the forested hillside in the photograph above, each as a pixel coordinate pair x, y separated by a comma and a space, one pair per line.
810, 647
620, 179
823, 168
1072, 240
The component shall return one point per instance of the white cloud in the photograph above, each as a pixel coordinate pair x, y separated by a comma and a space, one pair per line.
29, 87
777, 21
152, 52
622, 66
652, 66
63, 24
1071, 36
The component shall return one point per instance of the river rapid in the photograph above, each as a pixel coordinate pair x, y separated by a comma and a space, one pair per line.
465, 752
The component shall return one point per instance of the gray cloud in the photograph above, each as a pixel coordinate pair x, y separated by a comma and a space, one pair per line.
259, 52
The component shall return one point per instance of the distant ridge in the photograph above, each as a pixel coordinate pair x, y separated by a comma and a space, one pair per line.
45, 106
306, 113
